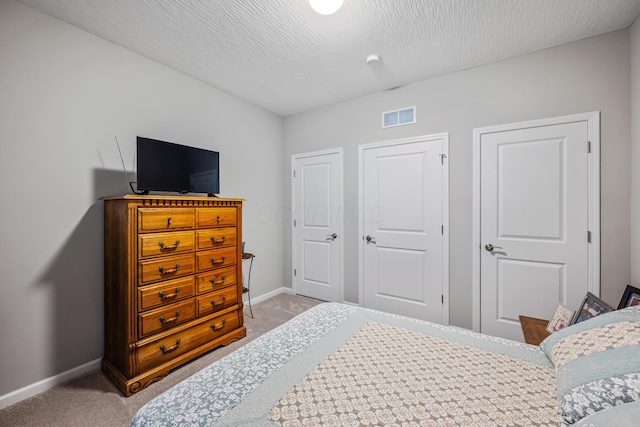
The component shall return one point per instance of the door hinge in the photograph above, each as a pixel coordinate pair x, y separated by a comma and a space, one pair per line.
442, 156
294, 272
442, 229
294, 174
442, 298
294, 222
588, 146
588, 236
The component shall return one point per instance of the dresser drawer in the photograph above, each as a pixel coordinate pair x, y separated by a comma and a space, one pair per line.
215, 217
165, 268
158, 244
216, 301
216, 279
215, 238
216, 258
162, 350
166, 317
165, 219
165, 293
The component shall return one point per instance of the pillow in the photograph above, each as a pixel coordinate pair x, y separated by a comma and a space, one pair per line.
597, 363
591, 341
626, 314
619, 416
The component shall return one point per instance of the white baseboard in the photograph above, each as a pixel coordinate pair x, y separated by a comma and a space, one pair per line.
264, 297
48, 383
353, 304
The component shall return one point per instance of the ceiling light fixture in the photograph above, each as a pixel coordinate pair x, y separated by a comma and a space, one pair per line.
326, 7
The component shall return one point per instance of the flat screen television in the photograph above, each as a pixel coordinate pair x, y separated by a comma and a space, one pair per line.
165, 166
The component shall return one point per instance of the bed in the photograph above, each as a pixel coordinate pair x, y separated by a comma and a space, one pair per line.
341, 365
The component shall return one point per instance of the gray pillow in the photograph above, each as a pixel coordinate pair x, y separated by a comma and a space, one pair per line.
597, 364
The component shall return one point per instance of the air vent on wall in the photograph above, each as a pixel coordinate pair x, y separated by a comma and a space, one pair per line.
403, 116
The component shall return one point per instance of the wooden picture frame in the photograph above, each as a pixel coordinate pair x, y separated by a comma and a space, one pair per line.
591, 306
561, 319
630, 297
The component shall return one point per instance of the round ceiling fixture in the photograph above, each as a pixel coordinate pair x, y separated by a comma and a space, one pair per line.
326, 7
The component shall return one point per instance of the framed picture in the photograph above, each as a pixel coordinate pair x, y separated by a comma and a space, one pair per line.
591, 306
630, 297
560, 320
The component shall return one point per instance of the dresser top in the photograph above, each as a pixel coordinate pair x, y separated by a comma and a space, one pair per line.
162, 197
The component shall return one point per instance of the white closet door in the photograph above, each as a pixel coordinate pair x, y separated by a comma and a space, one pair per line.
403, 243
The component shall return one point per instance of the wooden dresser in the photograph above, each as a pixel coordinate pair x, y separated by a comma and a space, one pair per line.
173, 283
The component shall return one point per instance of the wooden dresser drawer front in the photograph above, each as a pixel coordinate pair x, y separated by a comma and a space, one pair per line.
166, 293
215, 238
165, 268
165, 349
165, 219
216, 258
216, 279
166, 317
216, 301
160, 244
215, 217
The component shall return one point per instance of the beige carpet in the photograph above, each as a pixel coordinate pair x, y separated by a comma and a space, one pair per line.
93, 401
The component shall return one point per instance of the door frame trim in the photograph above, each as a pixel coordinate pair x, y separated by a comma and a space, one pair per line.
593, 209
295, 157
444, 136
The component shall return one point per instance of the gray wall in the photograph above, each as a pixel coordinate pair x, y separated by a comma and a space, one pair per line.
65, 95
588, 75
635, 157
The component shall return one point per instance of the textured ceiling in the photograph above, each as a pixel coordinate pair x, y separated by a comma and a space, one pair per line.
284, 57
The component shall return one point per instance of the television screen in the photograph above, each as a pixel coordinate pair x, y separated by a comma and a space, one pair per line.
165, 166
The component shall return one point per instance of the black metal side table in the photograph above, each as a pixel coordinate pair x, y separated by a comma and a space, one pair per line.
247, 289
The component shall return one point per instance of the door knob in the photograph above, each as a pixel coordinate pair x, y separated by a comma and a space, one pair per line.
333, 236
370, 239
490, 247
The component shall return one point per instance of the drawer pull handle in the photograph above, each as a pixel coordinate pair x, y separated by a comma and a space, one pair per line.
213, 260
213, 239
169, 271
164, 296
224, 300
165, 247
166, 350
218, 328
218, 220
168, 221
173, 319
220, 282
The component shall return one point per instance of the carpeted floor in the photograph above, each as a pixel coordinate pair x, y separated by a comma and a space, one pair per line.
93, 401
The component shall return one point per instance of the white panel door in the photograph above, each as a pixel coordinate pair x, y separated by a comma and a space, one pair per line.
317, 206
403, 262
534, 224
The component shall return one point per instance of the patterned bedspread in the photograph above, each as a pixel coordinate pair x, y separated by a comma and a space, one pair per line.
342, 365
386, 375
